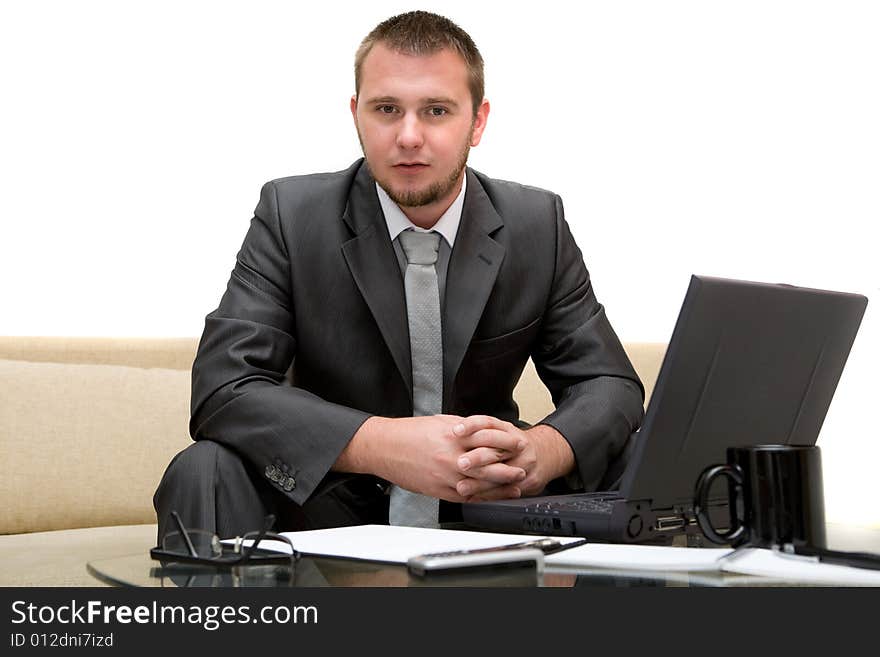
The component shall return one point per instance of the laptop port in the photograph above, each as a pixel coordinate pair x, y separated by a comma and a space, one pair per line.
669, 523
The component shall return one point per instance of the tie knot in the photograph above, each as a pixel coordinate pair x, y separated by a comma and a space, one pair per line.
420, 248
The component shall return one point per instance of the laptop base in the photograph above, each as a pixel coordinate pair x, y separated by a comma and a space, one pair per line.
597, 516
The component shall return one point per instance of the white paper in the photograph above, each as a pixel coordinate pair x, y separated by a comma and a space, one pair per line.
639, 557
394, 544
397, 544
769, 563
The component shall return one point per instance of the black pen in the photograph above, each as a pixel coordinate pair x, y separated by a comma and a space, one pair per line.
822, 555
545, 545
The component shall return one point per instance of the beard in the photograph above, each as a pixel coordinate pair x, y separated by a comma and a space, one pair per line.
415, 198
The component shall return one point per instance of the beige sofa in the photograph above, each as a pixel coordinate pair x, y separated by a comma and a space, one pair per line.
87, 426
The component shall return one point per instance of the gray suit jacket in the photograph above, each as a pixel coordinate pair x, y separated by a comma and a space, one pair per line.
317, 294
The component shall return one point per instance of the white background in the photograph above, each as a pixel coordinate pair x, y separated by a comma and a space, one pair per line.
737, 139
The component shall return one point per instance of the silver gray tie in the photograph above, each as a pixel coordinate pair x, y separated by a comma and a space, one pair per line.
426, 348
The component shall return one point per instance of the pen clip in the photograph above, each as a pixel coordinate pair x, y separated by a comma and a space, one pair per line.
559, 547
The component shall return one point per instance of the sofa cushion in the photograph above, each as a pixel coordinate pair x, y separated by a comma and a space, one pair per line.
86, 445
169, 353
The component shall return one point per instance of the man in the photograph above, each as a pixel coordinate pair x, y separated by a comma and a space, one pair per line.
360, 365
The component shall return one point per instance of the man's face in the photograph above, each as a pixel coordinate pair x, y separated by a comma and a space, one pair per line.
416, 124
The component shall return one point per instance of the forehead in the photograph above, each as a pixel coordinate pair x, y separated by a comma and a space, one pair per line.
389, 73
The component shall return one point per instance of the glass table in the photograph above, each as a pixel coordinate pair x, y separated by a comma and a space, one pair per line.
142, 571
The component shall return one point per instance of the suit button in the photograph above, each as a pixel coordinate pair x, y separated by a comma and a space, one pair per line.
272, 472
289, 484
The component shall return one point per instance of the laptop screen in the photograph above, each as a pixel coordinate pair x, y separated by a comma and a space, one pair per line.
747, 364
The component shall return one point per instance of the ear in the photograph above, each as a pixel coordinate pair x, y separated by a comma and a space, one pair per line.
354, 109
480, 122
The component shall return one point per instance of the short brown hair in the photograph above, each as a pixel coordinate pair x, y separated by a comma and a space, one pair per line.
424, 33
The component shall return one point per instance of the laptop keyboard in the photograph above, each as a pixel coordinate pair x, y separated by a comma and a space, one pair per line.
591, 505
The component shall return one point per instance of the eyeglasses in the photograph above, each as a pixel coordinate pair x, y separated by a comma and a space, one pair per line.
197, 546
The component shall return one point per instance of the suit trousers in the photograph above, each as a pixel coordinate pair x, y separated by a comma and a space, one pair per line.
213, 489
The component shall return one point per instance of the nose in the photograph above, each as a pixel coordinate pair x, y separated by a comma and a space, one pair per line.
410, 134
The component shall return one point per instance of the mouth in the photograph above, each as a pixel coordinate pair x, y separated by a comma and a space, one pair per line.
410, 167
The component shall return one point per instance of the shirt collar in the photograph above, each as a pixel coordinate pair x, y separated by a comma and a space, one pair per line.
398, 222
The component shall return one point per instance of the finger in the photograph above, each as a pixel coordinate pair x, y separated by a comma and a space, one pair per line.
499, 473
474, 423
481, 456
468, 487
511, 441
493, 475
497, 493
449, 494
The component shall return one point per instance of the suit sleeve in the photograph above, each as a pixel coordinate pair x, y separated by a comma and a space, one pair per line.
239, 394
597, 393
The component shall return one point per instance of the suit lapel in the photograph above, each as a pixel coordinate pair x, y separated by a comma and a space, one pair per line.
473, 267
373, 265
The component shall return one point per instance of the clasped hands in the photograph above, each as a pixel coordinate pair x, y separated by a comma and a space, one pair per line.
464, 459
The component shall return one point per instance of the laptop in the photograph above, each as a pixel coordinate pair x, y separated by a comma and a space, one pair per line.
748, 364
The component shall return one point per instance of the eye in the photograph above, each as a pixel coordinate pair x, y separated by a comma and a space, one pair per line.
386, 109
438, 111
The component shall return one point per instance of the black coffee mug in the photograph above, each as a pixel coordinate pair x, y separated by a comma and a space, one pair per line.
775, 497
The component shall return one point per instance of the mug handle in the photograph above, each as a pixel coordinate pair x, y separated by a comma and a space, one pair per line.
701, 503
